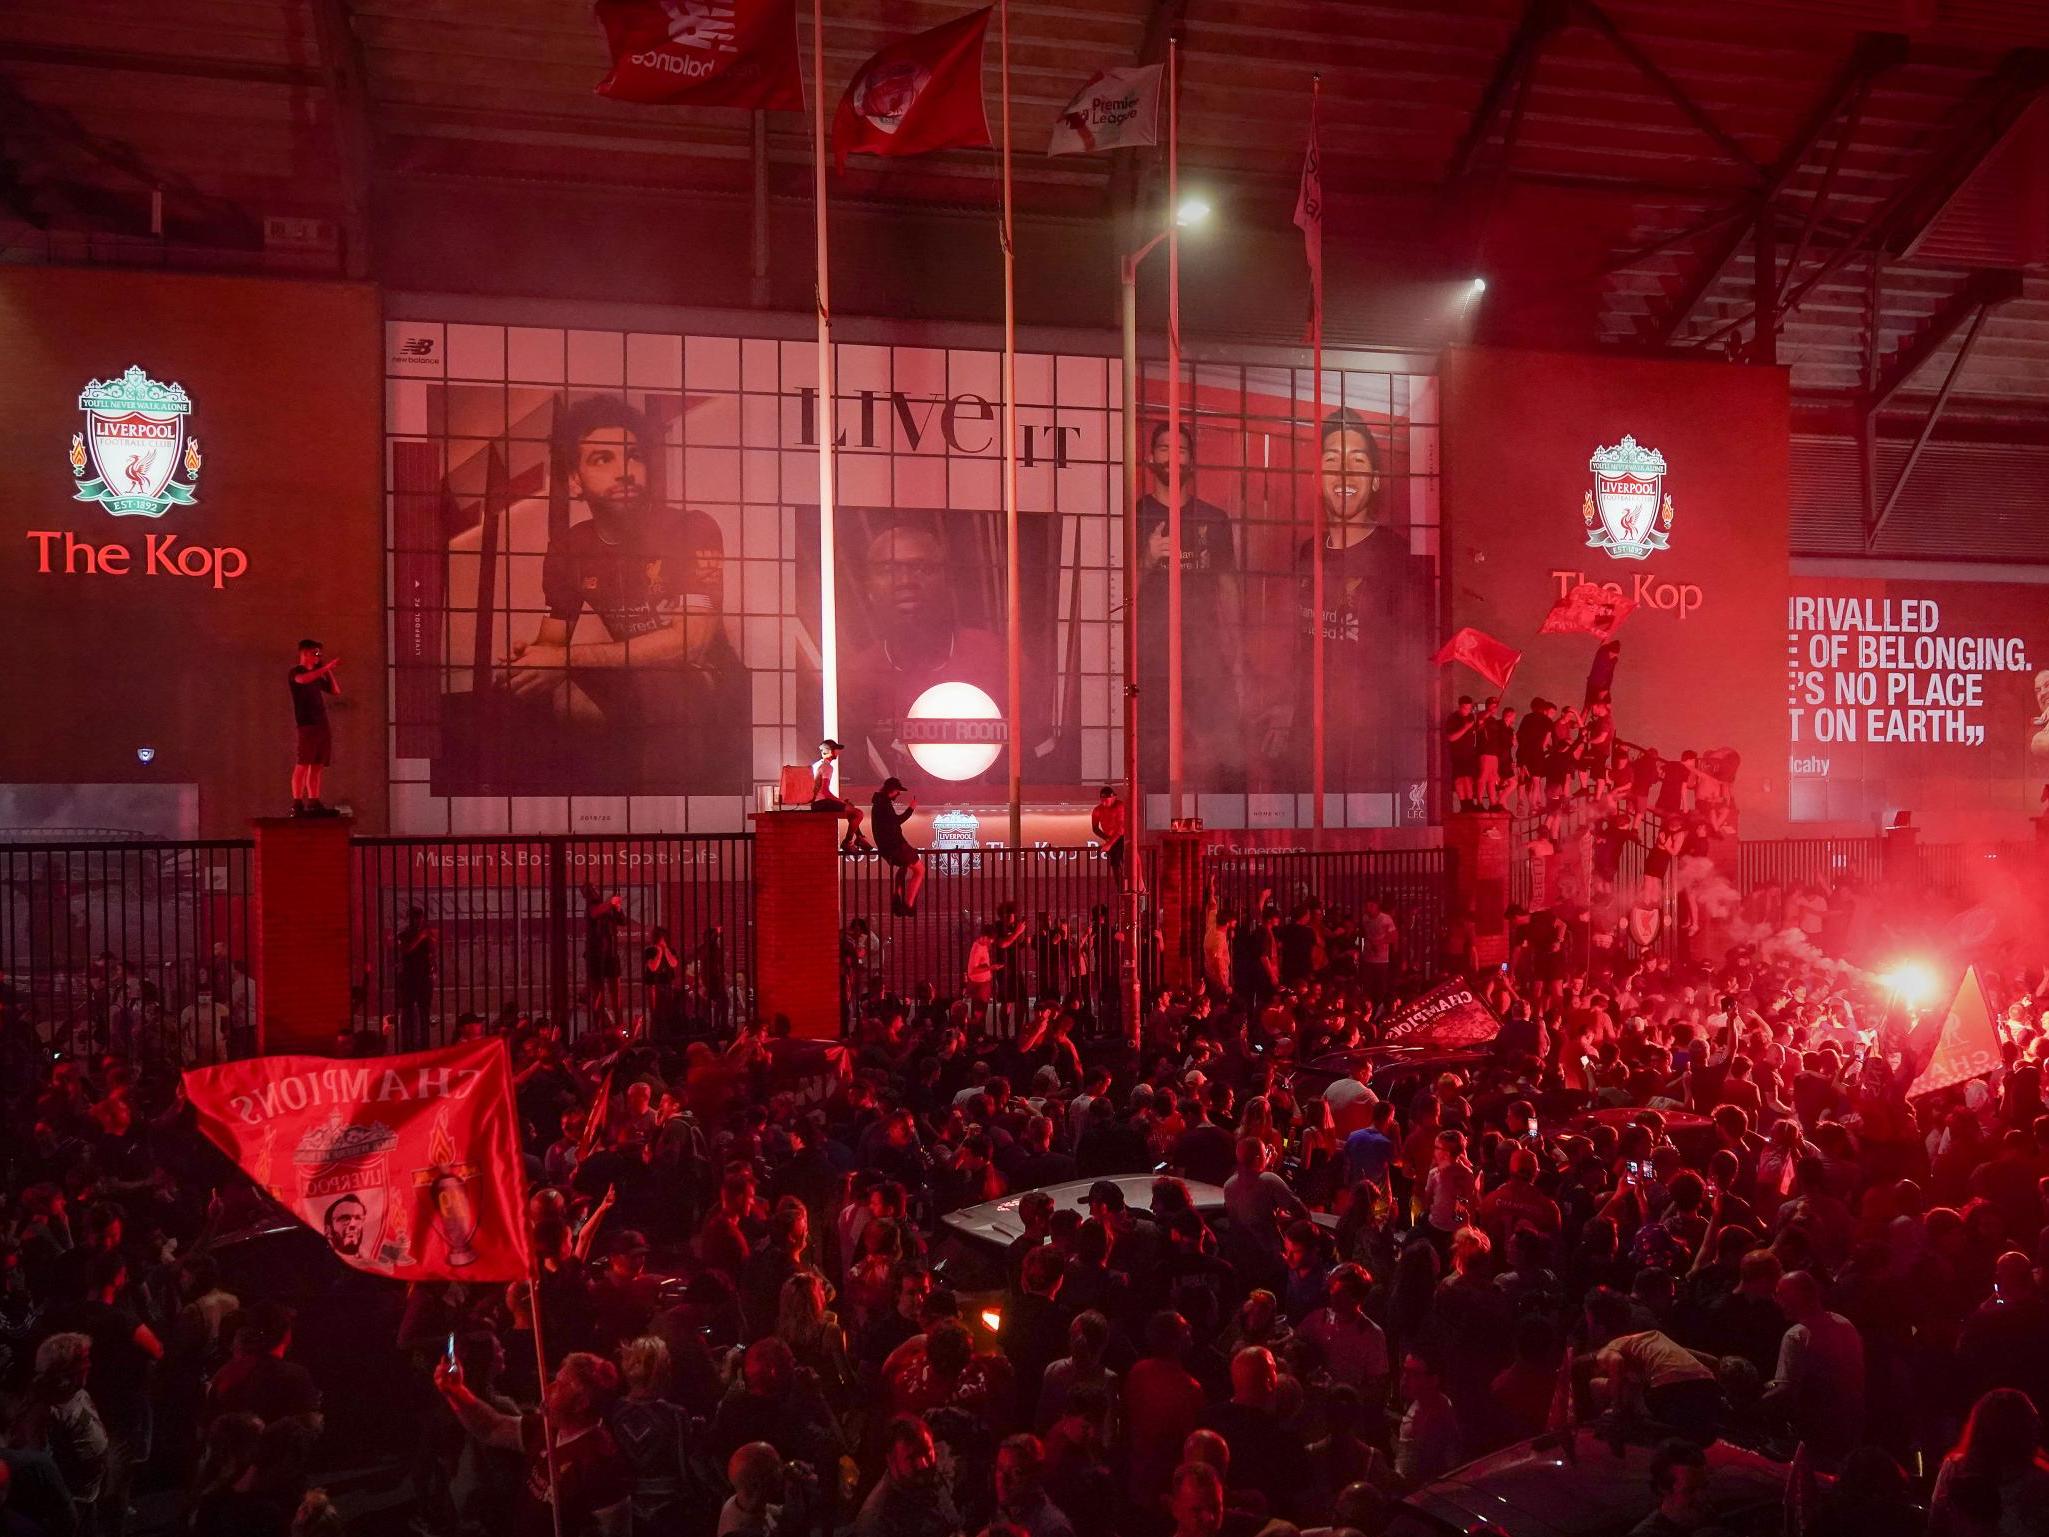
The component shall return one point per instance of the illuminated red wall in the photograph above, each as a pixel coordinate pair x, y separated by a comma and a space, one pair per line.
1704, 655
285, 380
1919, 695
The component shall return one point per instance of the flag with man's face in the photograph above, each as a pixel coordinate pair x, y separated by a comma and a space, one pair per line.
704, 53
921, 94
409, 1166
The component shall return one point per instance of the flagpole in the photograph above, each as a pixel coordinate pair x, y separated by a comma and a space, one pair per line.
541, 1368
828, 577
1013, 625
1320, 529
1175, 761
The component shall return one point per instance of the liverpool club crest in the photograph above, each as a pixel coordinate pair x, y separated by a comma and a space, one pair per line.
135, 438
1627, 513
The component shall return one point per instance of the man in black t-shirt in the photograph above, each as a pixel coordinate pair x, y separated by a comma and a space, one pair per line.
663, 689
907, 865
312, 680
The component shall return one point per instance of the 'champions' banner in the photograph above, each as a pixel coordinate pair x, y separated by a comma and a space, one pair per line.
409, 1166
1450, 1014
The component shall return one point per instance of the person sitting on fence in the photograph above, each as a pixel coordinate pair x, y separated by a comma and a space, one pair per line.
825, 796
907, 865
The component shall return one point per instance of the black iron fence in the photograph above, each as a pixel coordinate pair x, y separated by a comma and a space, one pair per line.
140, 948
1413, 885
1068, 898
1823, 862
529, 925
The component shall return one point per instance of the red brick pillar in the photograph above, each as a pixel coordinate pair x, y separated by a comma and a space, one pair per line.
797, 920
1179, 907
1903, 855
1477, 845
302, 933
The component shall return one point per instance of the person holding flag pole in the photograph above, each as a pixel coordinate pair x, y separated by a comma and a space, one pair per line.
410, 1167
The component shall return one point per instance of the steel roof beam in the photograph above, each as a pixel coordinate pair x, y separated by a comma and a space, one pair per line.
346, 75
1540, 19
1874, 53
1993, 107
1986, 289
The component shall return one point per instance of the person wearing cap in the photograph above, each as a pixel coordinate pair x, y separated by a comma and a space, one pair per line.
825, 796
907, 864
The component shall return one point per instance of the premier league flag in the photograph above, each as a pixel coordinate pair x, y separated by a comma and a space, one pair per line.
921, 94
1589, 608
1116, 109
704, 53
408, 1166
1492, 659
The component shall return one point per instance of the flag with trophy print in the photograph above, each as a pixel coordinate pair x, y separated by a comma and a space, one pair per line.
409, 1166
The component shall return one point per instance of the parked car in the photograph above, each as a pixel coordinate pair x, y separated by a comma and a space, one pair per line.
1398, 1071
1589, 1481
970, 1255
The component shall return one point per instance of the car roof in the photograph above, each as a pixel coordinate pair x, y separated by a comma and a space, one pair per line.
1347, 1062
999, 1222
1583, 1483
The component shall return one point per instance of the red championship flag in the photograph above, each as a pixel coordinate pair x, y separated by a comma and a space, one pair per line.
1309, 218
1492, 659
1589, 608
706, 53
921, 94
409, 1166
1966, 1042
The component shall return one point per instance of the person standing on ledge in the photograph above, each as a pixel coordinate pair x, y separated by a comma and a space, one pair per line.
907, 864
312, 680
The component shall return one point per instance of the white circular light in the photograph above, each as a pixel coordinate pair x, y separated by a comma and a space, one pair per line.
145, 754
1479, 285
967, 751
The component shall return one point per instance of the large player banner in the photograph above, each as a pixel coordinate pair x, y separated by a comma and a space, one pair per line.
605, 580
408, 1166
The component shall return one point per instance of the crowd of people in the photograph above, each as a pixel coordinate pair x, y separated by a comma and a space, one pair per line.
1292, 1280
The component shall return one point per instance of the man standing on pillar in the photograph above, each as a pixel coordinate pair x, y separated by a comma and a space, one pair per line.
312, 681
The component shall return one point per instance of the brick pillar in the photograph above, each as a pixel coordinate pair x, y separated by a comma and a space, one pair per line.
797, 920
1179, 907
1902, 855
1477, 845
302, 933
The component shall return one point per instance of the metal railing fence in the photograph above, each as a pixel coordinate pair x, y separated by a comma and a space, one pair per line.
138, 948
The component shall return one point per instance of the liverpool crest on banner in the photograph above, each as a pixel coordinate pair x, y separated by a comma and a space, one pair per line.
1627, 513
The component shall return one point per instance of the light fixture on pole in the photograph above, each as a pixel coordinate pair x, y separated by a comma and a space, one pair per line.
1192, 212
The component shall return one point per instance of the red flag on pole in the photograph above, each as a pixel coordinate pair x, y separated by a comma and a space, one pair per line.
1589, 608
921, 94
409, 1166
706, 53
1309, 218
1492, 659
